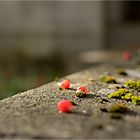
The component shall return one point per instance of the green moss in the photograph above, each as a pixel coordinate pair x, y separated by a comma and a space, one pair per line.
119, 93
135, 100
127, 97
80, 94
108, 79
131, 84
118, 108
138, 84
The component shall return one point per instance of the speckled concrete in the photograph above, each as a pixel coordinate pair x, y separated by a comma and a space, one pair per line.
33, 114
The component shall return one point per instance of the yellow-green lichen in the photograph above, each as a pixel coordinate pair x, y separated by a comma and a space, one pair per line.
108, 79
124, 94
135, 100
131, 84
138, 84
127, 97
118, 108
119, 93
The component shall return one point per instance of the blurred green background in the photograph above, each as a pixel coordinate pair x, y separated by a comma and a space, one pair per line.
41, 41
26, 74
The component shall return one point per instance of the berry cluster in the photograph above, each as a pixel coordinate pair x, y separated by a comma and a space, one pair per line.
81, 92
65, 105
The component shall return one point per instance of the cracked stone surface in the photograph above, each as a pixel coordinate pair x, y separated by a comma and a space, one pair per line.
33, 114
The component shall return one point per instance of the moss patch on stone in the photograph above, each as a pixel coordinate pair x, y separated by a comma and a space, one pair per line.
127, 97
108, 79
118, 108
131, 84
124, 94
138, 84
135, 100
119, 93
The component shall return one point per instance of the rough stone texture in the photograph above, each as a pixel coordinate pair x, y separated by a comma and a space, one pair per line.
33, 114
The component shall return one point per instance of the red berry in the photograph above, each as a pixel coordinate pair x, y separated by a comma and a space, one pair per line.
127, 55
65, 84
82, 89
64, 106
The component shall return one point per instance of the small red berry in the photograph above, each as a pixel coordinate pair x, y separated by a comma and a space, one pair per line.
64, 106
127, 55
82, 89
65, 84
81, 92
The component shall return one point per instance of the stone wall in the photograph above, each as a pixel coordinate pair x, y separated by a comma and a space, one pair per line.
37, 28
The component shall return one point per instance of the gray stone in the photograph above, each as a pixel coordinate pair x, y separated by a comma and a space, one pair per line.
33, 114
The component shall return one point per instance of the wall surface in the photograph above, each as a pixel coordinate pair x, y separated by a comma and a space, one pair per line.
37, 28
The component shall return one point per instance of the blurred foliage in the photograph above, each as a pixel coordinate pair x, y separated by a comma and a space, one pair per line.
28, 73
